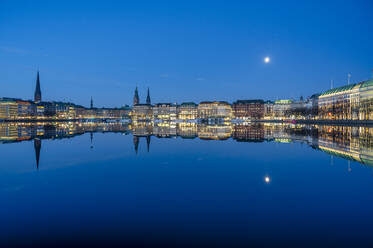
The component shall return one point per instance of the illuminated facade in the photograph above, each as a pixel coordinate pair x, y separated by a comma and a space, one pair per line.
8, 108
281, 109
187, 111
142, 112
248, 109
350, 102
341, 103
165, 111
215, 110
366, 101
268, 110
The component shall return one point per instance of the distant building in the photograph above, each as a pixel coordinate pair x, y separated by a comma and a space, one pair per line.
215, 110
142, 112
8, 108
248, 109
281, 109
26, 109
165, 111
268, 110
187, 111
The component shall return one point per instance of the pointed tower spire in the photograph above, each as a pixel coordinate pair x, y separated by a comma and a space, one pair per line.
148, 98
91, 102
37, 146
37, 96
136, 99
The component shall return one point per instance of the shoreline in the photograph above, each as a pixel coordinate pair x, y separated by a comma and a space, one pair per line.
306, 122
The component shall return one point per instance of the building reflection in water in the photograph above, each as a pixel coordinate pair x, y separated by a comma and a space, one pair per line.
351, 143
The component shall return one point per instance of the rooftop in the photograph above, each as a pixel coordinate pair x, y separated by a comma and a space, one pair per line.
188, 104
249, 101
340, 89
367, 83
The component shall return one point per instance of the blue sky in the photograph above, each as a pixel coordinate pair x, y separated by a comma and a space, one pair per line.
182, 50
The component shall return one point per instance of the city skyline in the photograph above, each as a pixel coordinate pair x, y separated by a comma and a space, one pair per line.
199, 62
199, 123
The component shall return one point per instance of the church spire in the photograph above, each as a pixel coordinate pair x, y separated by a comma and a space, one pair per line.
148, 98
136, 99
91, 102
37, 96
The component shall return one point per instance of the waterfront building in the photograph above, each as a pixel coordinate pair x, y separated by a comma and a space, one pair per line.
340, 103
215, 110
187, 111
165, 111
45, 110
142, 112
281, 109
65, 111
268, 110
8, 108
366, 100
312, 106
248, 109
37, 95
26, 109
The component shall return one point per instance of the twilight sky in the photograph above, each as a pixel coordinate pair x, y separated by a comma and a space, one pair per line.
183, 50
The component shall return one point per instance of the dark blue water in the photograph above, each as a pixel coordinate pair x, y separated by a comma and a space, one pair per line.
185, 192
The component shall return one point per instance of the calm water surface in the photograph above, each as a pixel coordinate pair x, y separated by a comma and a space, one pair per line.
167, 185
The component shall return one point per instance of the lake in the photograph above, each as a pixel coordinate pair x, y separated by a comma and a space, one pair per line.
185, 185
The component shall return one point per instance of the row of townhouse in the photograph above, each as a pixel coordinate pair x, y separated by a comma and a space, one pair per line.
241, 109
17, 109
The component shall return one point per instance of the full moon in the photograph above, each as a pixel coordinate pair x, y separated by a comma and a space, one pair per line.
266, 60
267, 179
